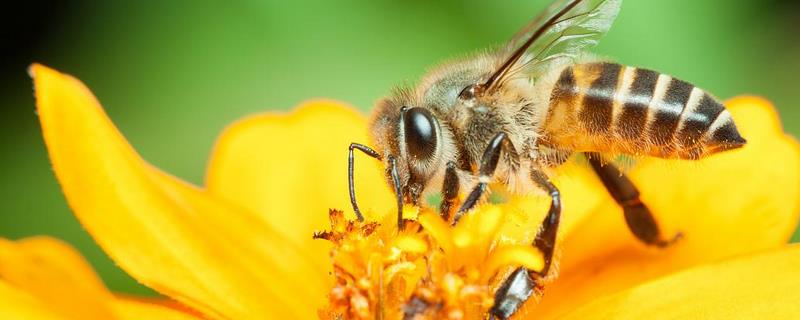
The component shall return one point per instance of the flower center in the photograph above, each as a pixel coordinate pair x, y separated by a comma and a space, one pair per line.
429, 270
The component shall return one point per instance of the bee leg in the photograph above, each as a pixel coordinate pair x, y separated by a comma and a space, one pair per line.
512, 294
520, 285
397, 191
491, 157
368, 151
546, 237
638, 217
449, 190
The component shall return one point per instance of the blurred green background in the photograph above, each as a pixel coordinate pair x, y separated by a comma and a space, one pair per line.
172, 74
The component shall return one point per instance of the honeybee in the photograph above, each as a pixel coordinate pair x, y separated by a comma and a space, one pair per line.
507, 115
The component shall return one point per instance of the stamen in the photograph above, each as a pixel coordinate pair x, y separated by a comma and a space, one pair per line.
429, 270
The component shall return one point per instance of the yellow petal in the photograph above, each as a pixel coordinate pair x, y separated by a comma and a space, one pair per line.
438, 229
515, 255
44, 278
291, 168
733, 203
181, 241
762, 286
56, 275
476, 231
20, 305
411, 244
136, 309
578, 186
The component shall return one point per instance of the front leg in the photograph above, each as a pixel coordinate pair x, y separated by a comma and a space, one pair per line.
398, 192
491, 156
520, 285
449, 190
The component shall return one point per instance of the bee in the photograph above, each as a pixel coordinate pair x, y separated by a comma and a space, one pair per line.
506, 116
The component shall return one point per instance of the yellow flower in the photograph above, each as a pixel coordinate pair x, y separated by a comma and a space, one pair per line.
43, 278
242, 246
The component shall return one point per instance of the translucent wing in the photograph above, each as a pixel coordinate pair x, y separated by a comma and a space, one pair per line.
563, 30
580, 28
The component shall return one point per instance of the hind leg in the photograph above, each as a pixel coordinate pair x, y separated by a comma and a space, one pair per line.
638, 217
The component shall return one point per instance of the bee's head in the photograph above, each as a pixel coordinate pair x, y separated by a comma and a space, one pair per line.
411, 127
412, 141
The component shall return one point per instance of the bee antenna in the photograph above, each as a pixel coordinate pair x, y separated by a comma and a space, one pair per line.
350, 168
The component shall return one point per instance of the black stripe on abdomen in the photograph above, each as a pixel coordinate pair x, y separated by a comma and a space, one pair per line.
668, 111
633, 117
698, 120
565, 86
596, 113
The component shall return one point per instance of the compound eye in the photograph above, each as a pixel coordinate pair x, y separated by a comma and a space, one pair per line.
420, 132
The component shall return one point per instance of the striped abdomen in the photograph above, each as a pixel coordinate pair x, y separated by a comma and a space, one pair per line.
607, 107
